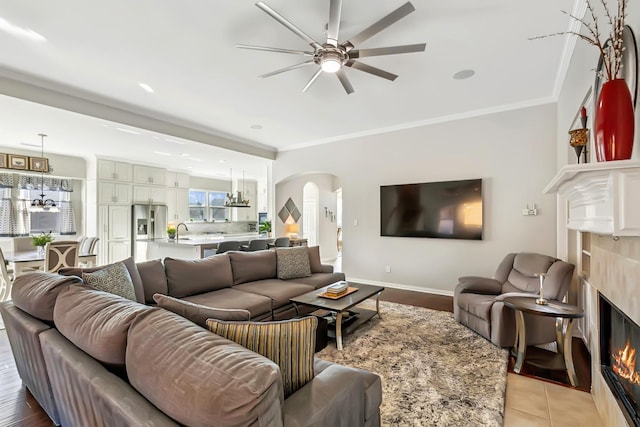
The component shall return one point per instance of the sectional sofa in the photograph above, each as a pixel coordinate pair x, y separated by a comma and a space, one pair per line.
93, 358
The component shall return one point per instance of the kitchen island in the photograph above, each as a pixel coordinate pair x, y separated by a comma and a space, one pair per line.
195, 246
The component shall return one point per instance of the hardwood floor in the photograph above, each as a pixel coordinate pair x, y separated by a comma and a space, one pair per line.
19, 408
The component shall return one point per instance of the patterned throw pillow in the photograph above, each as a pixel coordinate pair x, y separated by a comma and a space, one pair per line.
289, 343
114, 279
293, 262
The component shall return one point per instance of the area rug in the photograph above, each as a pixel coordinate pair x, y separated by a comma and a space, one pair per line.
435, 372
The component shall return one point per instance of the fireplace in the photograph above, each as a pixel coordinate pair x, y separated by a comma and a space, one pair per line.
619, 344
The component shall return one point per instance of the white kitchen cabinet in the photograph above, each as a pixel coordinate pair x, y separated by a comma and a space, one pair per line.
150, 195
114, 231
177, 204
118, 250
114, 171
149, 175
119, 223
113, 192
247, 214
177, 180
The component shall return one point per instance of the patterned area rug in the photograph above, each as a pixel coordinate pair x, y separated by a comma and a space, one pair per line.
435, 372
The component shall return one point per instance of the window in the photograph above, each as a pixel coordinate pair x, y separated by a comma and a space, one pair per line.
207, 205
45, 222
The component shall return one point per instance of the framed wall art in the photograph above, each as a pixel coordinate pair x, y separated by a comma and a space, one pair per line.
38, 164
17, 162
3, 161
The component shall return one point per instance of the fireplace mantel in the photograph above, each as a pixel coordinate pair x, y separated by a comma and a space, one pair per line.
603, 198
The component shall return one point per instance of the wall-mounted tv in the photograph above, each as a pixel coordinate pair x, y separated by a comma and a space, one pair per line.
444, 210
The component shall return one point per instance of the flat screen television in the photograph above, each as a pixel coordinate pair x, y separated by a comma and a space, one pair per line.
443, 210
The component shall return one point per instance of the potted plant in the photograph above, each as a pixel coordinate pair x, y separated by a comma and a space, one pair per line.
265, 227
41, 240
171, 231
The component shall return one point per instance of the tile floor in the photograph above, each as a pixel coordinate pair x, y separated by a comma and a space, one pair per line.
534, 403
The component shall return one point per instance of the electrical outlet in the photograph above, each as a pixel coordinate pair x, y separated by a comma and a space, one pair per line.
387, 269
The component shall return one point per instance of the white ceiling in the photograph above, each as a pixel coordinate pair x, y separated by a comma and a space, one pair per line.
209, 91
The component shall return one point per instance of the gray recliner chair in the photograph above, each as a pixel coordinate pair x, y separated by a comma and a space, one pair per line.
478, 301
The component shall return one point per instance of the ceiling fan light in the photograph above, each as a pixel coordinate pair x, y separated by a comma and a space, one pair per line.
331, 62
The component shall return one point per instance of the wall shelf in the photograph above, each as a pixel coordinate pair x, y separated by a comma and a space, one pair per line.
602, 197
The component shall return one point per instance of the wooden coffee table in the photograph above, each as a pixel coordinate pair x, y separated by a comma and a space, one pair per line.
348, 317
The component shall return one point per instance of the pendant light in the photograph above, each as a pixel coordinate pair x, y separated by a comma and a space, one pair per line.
236, 200
42, 204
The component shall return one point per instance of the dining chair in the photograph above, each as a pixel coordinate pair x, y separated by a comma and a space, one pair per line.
23, 244
282, 242
256, 245
59, 254
228, 245
5, 279
86, 250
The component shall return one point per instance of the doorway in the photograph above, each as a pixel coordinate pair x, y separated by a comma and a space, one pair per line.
310, 203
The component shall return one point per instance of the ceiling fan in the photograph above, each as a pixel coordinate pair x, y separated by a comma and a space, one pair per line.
332, 56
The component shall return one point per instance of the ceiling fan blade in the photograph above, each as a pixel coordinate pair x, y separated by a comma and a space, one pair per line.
289, 68
281, 19
274, 49
346, 84
335, 10
392, 50
371, 70
374, 29
313, 79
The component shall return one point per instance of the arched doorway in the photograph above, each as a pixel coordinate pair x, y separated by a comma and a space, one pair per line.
310, 209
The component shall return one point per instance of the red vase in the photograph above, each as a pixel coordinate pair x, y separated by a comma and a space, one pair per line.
614, 122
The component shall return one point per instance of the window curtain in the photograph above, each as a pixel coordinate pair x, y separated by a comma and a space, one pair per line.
28, 182
20, 218
67, 219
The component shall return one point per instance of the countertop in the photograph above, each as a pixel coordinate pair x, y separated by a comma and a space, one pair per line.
207, 239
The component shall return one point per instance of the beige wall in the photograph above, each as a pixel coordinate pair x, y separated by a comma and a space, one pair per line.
514, 153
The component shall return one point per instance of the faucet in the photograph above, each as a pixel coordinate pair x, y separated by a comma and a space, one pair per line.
178, 230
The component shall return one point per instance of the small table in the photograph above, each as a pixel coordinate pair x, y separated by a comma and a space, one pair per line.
35, 259
565, 314
341, 307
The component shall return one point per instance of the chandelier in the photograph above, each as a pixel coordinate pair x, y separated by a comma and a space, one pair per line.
42, 204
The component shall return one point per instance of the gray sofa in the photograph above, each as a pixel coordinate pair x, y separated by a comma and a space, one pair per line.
93, 358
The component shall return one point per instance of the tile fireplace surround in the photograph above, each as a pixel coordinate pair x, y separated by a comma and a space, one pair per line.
615, 272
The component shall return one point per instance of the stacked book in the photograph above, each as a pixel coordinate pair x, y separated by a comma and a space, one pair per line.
337, 289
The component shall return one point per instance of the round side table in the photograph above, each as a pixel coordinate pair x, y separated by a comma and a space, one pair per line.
565, 314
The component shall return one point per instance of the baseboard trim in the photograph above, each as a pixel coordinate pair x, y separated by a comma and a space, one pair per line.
402, 286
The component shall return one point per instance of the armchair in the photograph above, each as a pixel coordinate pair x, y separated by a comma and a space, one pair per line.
477, 301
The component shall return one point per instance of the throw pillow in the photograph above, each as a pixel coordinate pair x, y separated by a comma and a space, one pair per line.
314, 259
293, 262
289, 343
198, 313
114, 279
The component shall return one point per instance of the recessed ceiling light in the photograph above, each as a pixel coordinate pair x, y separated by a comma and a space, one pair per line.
189, 167
463, 74
128, 131
161, 153
25, 33
146, 87
256, 127
185, 154
221, 161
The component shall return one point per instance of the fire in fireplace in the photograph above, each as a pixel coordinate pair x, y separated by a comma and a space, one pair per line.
619, 342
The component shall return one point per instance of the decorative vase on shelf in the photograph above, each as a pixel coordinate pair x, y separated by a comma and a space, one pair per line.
614, 122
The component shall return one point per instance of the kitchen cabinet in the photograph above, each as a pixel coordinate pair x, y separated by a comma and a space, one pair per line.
177, 180
149, 175
113, 192
247, 214
118, 251
150, 195
114, 171
114, 232
177, 204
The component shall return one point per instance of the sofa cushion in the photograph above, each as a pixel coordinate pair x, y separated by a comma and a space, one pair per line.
314, 259
199, 378
250, 266
279, 291
231, 298
318, 280
192, 277
293, 262
36, 293
154, 279
97, 322
114, 279
289, 343
128, 262
198, 313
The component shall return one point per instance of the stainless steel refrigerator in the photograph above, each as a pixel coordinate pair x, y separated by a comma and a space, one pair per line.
148, 222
